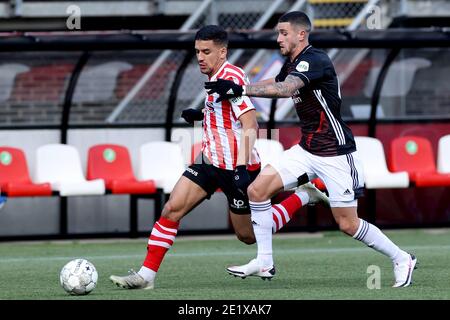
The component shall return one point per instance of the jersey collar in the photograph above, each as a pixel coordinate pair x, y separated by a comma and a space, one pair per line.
214, 77
302, 52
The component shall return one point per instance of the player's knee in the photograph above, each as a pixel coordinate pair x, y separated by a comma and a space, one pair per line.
256, 193
171, 212
347, 226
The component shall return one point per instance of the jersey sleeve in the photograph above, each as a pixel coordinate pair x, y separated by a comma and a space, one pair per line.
283, 73
310, 69
240, 105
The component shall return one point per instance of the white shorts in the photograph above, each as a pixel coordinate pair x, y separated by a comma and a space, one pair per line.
342, 175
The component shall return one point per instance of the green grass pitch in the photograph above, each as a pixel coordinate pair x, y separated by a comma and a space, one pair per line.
318, 266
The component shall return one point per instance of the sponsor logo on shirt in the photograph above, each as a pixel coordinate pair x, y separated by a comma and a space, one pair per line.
238, 204
296, 97
209, 107
238, 100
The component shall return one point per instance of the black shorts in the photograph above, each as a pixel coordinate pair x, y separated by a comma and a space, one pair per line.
211, 178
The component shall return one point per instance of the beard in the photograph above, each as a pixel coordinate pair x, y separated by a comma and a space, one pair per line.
284, 52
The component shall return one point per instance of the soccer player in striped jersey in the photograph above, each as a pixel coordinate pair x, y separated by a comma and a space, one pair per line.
327, 148
228, 161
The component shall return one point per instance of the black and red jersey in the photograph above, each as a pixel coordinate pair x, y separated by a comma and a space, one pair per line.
318, 104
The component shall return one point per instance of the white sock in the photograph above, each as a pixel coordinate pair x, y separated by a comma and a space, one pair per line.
374, 238
262, 226
304, 197
147, 273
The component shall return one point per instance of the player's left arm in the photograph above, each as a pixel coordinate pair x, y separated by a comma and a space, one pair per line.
249, 132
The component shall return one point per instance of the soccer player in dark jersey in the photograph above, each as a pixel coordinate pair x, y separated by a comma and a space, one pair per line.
327, 148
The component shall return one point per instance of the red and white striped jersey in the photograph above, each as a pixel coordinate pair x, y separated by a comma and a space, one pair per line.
221, 127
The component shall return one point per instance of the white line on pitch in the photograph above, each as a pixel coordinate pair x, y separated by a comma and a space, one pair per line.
224, 253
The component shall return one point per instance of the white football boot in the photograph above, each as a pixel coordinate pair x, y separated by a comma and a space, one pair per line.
403, 272
253, 268
315, 195
132, 281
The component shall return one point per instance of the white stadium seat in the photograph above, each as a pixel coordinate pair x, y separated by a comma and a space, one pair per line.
268, 150
443, 162
376, 173
162, 162
60, 165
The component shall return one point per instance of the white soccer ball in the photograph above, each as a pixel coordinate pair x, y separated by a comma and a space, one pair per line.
78, 277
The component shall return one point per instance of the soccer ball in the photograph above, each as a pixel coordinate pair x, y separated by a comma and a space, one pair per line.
78, 277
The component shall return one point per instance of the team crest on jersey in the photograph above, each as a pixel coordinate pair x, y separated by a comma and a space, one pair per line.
302, 66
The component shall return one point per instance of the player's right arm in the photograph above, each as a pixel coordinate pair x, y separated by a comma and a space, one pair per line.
310, 69
228, 89
265, 81
283, 89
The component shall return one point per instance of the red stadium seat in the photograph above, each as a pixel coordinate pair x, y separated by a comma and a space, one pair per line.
415, 155
112, 163
15, 179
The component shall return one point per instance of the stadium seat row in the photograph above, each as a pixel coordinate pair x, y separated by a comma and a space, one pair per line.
412, 161
109, 168
101, 82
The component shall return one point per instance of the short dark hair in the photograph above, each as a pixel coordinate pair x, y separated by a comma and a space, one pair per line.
297, 17
212, 32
